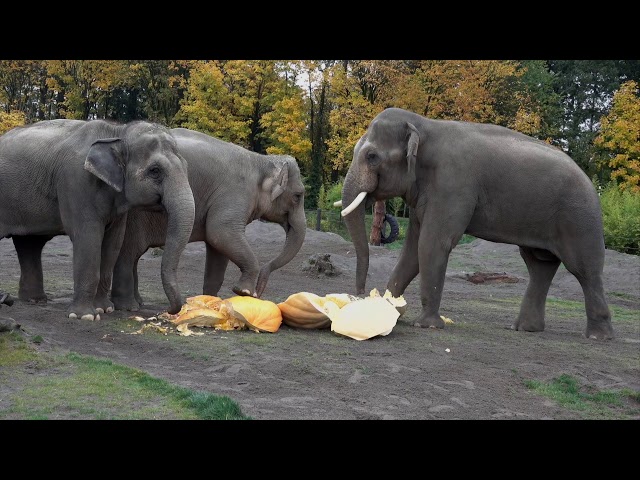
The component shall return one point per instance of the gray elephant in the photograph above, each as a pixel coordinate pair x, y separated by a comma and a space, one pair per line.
80, 178
232, 186
487, 181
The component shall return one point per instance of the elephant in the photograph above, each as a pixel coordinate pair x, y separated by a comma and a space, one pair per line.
80, 178
487, 181
232, 186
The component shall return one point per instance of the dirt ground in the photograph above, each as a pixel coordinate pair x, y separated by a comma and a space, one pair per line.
409, 374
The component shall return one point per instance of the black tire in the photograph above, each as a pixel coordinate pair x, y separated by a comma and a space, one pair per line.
394, 230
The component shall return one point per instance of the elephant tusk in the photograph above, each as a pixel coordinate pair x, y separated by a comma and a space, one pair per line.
354, 204
338, 203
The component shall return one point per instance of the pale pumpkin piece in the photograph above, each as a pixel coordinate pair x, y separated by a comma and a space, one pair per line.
259, 315
399, 302
361, 319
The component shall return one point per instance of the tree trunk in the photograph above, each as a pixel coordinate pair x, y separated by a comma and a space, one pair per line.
379, 211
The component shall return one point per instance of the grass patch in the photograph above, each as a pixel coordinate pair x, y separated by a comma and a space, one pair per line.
14, 350
626, 296
570, 308
74, 386
567, 392
566, 309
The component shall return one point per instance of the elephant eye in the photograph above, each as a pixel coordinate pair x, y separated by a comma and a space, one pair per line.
372, 157
297, 197
154, 171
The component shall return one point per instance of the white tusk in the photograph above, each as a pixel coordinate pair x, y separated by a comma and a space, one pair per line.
338, 203
354, 204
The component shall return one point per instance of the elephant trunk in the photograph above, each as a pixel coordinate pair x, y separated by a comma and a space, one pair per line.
180, 207
354, 198
296, 228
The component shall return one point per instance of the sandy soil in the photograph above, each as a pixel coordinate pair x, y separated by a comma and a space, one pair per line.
316, 374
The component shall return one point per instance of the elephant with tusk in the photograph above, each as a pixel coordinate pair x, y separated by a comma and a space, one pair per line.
486, 181
232, 186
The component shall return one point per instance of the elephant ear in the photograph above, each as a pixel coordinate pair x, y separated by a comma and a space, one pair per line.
412, 150
282, 177
104, 160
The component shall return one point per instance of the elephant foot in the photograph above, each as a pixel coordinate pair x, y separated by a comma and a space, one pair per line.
244, 292
129, 304
39, 297
529, 325
103, 304
601, 331
83, 311
429, 321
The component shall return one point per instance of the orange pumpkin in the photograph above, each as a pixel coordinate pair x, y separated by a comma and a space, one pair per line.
298, 312
261, 315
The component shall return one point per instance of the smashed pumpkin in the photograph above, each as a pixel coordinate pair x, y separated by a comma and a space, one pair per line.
361, 319
261, 315
298, 310
399, 302
208, 311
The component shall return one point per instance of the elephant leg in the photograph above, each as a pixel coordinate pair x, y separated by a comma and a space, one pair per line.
542, 269
598, 315
29, 249
233, 244
111, 244
407, 267
214, 271
124, 288
436, 240
586, 263
86, 270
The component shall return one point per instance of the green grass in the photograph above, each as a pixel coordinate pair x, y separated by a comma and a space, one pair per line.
14, 350
565, 308
74, 386
624, 295
567, 392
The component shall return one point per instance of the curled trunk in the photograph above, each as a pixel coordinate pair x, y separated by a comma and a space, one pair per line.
296, 230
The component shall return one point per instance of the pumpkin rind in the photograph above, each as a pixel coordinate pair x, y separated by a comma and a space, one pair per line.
298, 312
262, 315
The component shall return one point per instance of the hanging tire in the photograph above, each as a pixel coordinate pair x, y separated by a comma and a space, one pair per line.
394, 229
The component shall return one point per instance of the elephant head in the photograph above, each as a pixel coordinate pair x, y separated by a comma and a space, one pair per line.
383, 167
285, 207
144, 164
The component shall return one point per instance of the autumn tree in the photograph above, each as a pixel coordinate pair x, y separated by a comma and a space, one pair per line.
353, 108
228, 99
585, 89
23, 88
619, 137
85, 85
10, 120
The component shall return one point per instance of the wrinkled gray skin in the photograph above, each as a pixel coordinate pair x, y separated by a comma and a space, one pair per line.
232, 186
80, 178
489, 182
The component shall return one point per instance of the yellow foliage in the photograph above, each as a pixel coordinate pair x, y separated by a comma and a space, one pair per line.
10, 120
619, 137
